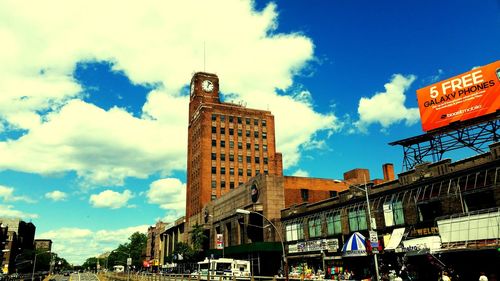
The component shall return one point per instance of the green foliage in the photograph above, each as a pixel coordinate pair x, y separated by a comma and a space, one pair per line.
198, 237
134, 249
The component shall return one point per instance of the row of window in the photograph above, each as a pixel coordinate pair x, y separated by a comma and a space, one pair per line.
256, 159
357, 221
248, 133
239, 120
231, 171
240, 145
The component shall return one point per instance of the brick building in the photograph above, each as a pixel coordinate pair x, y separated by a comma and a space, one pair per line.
227, 144
450, 208
154, 244
20, 242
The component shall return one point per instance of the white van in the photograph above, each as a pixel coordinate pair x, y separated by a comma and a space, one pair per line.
224, 267
118, 268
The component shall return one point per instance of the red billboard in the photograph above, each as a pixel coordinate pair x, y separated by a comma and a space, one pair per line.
469, 95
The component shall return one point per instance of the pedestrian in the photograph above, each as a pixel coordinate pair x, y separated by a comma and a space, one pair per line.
482, 277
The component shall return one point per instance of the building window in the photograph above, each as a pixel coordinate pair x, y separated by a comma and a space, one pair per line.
314, 227
239, 132
231, 171
240, 145
223, 157
334, 224
304, 193
213, 197
256, 122
333, 193
214, 170
214, 143
294, 232
214, 130
214, 184
264, 135
240, 172
247, 133
240, 158
222, 131
222, 143
231, 157
264, 147
256, 147
257, 160
231, 131
214, 156
248, 145
214, 117
231, 119
247, 121
393, 213
249, 172
357, 220
231, 144
231, 185
223, 118
222, 184
266, 160
239, 120
263, 123
223, 170
256, 134
249, 159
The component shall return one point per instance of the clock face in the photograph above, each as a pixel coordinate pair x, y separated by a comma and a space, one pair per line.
207, 85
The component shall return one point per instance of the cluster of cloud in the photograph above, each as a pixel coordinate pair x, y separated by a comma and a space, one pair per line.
387, 108
170, 195
9, 211
42, 99
56, 195
111, 199
78, 244
7, 194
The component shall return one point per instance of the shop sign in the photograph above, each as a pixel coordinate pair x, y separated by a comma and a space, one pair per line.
424, 231
330, 245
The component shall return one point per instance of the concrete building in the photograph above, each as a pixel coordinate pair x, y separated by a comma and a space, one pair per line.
20, 240
227, 144
449, 210
174, 233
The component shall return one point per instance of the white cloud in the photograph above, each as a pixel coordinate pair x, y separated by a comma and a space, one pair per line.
7, 194
169, 194
110, 199
56, 195
78, 244
301, 173
388, 108
9, 212
152, 44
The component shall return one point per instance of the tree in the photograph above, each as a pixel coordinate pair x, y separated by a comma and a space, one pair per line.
198, 237
134, 248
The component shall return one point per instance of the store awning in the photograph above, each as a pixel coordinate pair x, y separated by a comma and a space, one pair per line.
396, 236
355, 246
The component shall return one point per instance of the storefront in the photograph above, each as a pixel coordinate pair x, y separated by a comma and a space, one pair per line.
312, 259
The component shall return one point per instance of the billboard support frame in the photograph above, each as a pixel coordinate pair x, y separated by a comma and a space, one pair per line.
433, 145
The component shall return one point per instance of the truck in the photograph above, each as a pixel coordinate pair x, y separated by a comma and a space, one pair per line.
223, 267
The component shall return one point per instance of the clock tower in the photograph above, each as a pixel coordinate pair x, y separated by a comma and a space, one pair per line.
227, 145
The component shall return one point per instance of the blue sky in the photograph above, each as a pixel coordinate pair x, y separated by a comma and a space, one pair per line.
93, 109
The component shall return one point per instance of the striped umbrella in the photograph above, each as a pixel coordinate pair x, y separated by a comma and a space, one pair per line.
355, 245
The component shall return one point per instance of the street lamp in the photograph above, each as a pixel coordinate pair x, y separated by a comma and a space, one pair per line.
285, 264
34, 264
370, 222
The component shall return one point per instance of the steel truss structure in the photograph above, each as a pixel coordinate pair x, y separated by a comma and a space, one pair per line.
475, 135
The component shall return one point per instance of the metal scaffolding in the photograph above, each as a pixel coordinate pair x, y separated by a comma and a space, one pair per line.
474, 135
